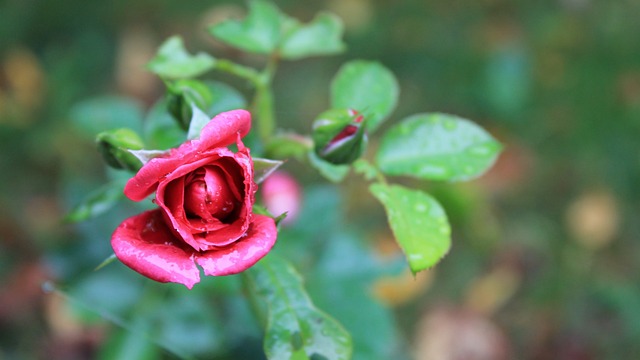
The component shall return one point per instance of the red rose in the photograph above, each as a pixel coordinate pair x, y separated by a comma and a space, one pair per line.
205, 193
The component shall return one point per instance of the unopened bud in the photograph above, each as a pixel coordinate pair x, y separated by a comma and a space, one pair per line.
182, 94
113, 145
339, 136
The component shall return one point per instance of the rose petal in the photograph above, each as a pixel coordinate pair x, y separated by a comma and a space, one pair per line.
219, 132
219, 200
145, 244
242, 254
237, 228
202, 235
223, 129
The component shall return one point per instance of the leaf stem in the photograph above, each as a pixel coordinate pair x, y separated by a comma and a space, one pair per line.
263, 101
238, 70
369, 171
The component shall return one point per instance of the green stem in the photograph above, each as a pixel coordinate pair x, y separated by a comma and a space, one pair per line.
263, 104
238, 70
263, 101
369, 171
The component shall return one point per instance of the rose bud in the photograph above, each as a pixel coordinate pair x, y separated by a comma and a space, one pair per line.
339, 136
182, 94
281, 193
205, 193
113, 146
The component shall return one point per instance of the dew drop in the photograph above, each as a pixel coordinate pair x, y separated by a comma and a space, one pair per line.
421, 207
449, 124
480, 150
416, 257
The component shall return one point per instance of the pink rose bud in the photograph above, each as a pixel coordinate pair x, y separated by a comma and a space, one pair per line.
281, 193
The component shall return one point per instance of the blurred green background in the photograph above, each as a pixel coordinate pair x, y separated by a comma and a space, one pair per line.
545, 251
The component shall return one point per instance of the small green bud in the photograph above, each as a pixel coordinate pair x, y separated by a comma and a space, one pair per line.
113, 145
181, 94
339, 136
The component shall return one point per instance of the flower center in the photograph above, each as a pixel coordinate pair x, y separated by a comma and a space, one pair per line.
208, 195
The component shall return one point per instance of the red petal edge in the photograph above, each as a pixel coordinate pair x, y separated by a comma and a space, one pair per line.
220, 131
145, 244
223, 129
242, 254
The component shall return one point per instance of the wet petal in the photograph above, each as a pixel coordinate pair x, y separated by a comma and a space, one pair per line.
242, 254
223, 129
145, 244
219, 200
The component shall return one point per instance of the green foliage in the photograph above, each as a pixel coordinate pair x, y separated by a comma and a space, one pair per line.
105, 113
336, 284
322, 36
198, 120
266, 30
288, 145
114, 146
259, 32
223, 98
339, 136
183, 95
296, 329
418, 222
363, 95
161, 130
334, 173
437, 147
367, 87
124, 344
174, 62
145, 155
262, 168
97, 202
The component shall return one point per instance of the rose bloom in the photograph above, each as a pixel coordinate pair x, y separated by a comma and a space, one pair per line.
205, 193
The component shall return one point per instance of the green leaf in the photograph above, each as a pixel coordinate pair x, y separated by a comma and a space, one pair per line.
322, 36
97, 202
343, 272
362, 166
288, 145
224, 98
145, 155
296, 329
331, 172
114, 146
161, 130
262, 168
437, 147
418, 222
367, 87
174, 62
104, 113
198, 120
125, 344
182, 95
259, 32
